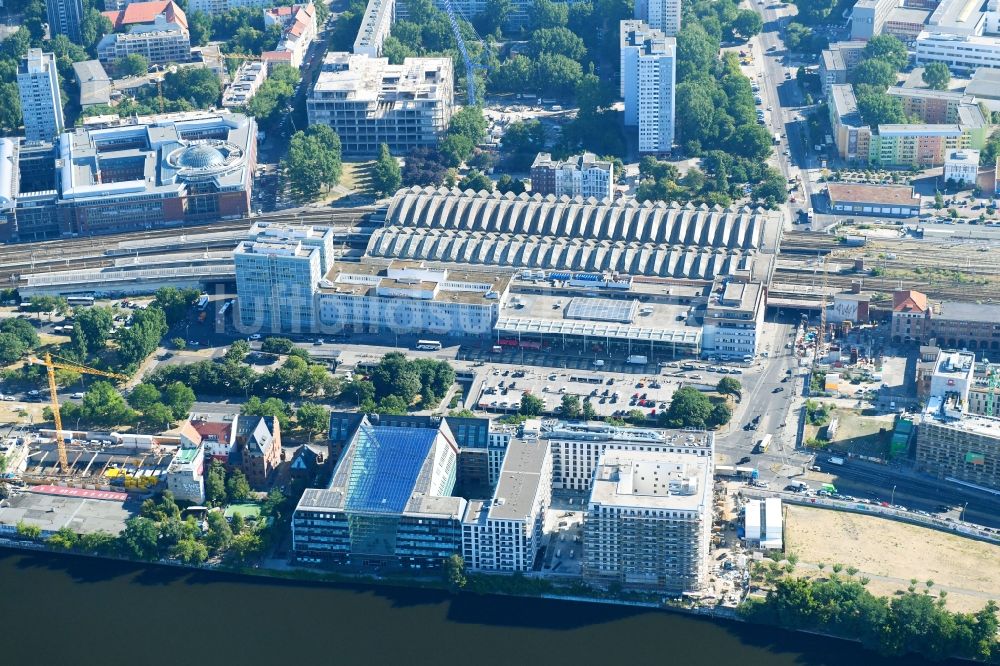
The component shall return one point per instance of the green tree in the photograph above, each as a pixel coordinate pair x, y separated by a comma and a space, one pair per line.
454, 568
548, 14
91, 329
386, 175
312, 418
936, 75
200, 26
531, 405
747, 23
189, 552
175, 303
476, 181
697, 52
314, 162
104, 405
139, 539
215, 483
237, 487
878, 73
132, 65
27, 530
888, 48
246, 546
557, 41
274, 94
158, 415
136, 343
396, 51
513, 185
393, 404
179, 398
455, 149
394, 375
12, 348
219, 534
689, 408
22, 330
719, 416
557, 75
64, 539
469, 122
814, 11
276, 345
10, 107
178, 343
587, 411
143, 396
729, 386
493, 17
198, 86
272, 407
238, 351
878, 108
570, 406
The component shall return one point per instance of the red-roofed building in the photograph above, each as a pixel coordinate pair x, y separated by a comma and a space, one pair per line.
910, 312
139, 13
298, 24
217, 436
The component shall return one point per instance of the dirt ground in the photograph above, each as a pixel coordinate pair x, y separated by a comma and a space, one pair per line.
891, 553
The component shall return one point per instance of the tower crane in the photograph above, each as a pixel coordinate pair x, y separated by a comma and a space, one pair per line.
470, 68
51, 366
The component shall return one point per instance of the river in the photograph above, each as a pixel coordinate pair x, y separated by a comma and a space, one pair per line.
81, 611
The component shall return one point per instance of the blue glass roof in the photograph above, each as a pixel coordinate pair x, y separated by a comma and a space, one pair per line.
385, 467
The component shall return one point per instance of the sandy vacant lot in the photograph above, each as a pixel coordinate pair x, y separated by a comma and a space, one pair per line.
891, 553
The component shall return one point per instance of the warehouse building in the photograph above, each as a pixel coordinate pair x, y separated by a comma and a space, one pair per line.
952, 324
648, 521
874, 200
389, 503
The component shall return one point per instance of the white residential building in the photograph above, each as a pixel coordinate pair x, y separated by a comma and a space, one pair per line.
41, 101
369, 102
505, 533
246, 82
212, 7
961, 166
277, 270
649, 519
64, 18
962, 53
161, 42
649, 70
375, 25
662, 15
577, 447
411, 297
579, 176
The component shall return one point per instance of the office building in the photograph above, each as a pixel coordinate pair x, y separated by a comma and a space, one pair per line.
868, 17
369, 102
277, 270
962, 53
578, 176
874, 200
905, 23
734, 319
411, 297
64, 18
578, 447
962, 166
958, 17
389, 502
298, 30
95, 84
41, 100
662, 15
247, 80
505, 533
375, 26
649, 520
837, 62
648, 83
955, 325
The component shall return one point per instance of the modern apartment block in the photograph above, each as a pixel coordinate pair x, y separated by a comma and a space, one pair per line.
213, 7
247, 80
389, 502
156, 30
837, 62
369, 102
578, 176
64, 18
298, 30
662, 15
734, 319
505, 533
577, 447
649, 65
375, 26
277, 270
868, 17
41, 100
401, 296
938, 106
649, 520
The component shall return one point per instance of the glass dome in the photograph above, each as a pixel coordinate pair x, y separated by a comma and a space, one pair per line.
200, 156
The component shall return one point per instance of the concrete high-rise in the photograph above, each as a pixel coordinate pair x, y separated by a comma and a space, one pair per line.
41, 101
649, 72
64, 18
662, 15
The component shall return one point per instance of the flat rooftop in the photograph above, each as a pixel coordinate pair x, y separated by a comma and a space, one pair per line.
960, 17
922, 129
901, 195
52, 512
907, 15
962, 311
652, 479
985, 83
520, 478
949, 362
363, 279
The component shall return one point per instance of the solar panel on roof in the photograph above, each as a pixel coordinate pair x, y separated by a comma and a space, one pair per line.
602, 309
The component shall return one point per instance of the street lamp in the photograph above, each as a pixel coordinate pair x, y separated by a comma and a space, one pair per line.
961, 516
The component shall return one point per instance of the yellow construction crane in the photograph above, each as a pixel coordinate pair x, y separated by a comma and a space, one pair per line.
51, 366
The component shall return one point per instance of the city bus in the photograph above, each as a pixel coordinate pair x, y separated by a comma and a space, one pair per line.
428, 345
764, 443
79, 300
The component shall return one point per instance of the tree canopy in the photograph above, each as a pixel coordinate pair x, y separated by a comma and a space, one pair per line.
936, 75
386, 174
314, 161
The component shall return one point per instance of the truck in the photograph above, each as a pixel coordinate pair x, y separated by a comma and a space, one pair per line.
777, 138
835, 460
638, 359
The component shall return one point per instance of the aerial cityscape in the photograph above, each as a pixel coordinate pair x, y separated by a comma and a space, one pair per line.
640, 330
